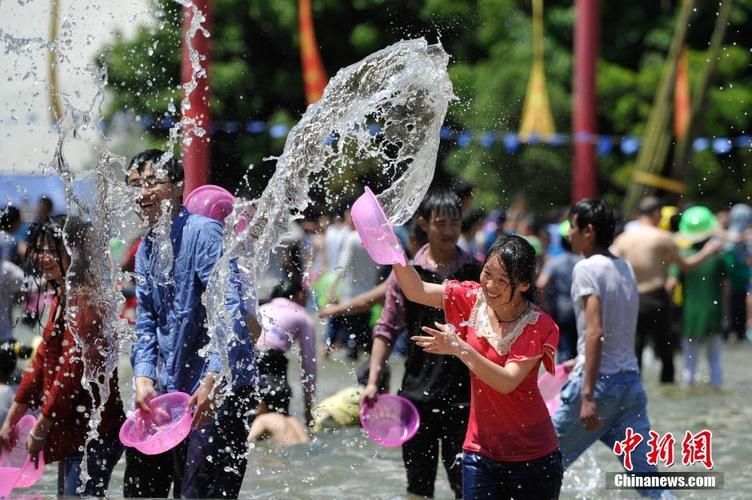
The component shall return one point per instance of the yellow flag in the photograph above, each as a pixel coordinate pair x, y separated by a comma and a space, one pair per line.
536, 111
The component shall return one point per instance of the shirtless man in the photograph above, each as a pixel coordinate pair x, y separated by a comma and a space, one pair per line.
650, 250
283, 430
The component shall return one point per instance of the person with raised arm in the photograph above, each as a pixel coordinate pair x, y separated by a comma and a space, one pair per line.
493, 327
438, 386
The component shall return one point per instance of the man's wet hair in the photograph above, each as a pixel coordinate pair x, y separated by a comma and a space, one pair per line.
9, 217
649, 204
518, 257
598, 214
173, 167
440, 201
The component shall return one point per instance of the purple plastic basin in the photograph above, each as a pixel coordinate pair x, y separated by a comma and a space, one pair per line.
375, 231
168, 424
390, 421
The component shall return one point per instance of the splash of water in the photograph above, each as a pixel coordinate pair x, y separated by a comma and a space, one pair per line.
92, 293
387, 108
96, 216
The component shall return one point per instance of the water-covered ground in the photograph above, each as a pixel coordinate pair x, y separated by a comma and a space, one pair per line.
345, 464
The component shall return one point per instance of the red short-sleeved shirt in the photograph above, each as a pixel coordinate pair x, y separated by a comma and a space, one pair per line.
510, 427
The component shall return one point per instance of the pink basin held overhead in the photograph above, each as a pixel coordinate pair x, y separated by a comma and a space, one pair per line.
375, 231
166, 427
390, 421
210, 201
16, 468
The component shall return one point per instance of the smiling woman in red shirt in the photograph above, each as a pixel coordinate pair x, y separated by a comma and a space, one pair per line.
511, 448
53, 381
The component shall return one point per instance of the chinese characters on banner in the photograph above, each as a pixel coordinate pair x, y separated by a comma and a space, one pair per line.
695, 448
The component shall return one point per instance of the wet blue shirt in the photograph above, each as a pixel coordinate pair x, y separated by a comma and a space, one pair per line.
171, 320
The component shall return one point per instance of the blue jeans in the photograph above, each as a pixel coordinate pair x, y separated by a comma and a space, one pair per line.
102, 457
622, 403
485, 478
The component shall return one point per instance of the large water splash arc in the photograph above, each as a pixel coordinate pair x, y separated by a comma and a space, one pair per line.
389, 107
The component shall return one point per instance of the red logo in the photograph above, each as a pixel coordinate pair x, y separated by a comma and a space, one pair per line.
661, 449
695, 448
698, 448
627, 446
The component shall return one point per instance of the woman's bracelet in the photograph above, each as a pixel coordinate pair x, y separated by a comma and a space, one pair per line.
35, 437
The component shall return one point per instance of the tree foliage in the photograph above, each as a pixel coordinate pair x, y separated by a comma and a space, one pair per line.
255, 75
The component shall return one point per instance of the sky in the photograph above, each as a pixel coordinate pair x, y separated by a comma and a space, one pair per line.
27, 140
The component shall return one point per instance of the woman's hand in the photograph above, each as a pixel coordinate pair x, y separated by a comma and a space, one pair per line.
37, 439
441, 341
8, 436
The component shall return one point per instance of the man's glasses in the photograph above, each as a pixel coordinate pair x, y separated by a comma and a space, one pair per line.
148, 182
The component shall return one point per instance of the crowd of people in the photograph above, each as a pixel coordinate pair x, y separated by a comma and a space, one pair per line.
487, 301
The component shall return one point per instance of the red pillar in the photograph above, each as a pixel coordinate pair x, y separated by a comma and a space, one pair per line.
196, 153
584, 98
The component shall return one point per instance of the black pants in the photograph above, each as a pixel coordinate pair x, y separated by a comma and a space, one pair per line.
654, 325
444, 427
737, 314
187, 466
274, 388
354, 331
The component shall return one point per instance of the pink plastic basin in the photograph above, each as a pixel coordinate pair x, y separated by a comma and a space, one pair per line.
16, 468
550, 387
210, 201
375, 231
7, 480
168, 424
390, 421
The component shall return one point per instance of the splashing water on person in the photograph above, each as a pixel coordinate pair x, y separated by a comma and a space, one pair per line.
387, 108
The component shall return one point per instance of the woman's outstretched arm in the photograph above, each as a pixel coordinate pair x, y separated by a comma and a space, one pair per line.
417, 290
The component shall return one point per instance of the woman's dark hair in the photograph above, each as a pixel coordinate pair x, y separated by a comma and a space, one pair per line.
52, 231
598, 214
440, 201
10, 216
518, 257
173, 166
80, 238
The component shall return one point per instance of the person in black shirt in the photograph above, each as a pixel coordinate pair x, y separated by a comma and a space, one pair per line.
439, 386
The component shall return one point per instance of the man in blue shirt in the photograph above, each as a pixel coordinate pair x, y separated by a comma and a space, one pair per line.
170, 332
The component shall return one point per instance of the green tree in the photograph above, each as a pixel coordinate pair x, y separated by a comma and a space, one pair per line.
255, 75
